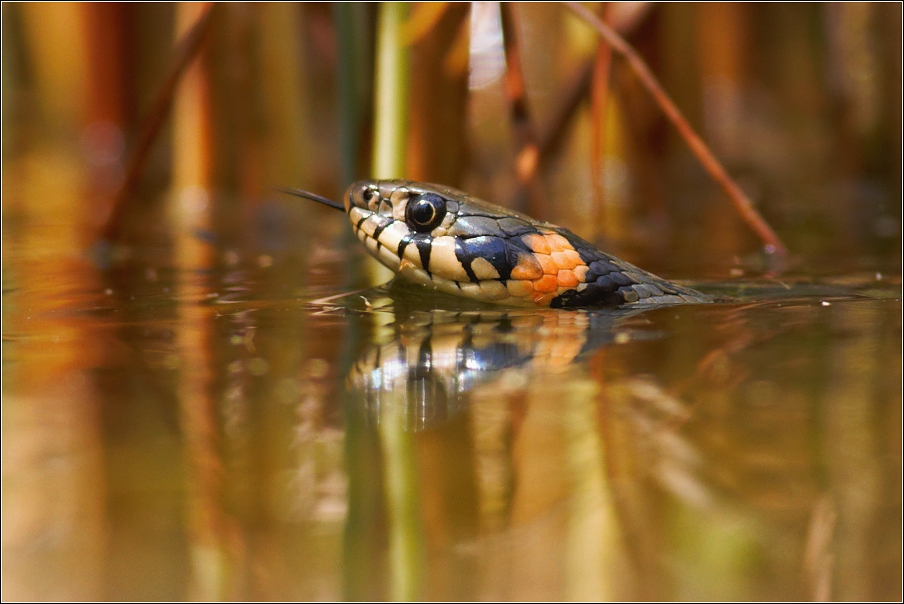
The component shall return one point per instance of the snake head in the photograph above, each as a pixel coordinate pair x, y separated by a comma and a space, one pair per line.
446, 239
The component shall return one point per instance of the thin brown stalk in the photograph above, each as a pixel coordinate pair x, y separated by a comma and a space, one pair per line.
599, 97
552, 133
187, 50
698, 147
515, 92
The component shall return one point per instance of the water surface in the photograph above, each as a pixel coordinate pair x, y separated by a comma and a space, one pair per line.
173, 431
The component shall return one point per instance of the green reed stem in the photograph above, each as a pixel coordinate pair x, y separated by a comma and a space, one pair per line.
390, 93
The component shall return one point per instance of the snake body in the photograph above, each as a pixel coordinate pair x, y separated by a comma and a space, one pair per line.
450, 241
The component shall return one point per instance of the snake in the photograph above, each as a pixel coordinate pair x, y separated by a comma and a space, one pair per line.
450, 241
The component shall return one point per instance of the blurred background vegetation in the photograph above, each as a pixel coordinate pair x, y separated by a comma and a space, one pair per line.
170, 432
802, 102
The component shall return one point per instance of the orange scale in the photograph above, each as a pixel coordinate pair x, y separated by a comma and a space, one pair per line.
567, 278
527, 269
573, 257
564, 260
548, 265
536, 242
546, 284
557, 243
580, 272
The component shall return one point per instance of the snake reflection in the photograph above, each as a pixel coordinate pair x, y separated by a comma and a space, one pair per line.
428, 360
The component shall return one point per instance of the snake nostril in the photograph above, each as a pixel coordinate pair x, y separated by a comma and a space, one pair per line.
368, 198
361, 196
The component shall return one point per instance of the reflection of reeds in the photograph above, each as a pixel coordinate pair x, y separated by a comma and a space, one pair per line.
208, 526
406, 549
55, 471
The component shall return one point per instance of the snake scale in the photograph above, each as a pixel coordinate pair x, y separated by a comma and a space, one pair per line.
450, 241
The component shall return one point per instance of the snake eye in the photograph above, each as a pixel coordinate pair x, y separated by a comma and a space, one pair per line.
368, 194
425, 212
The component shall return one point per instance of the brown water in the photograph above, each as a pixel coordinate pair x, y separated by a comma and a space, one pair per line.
175, 432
